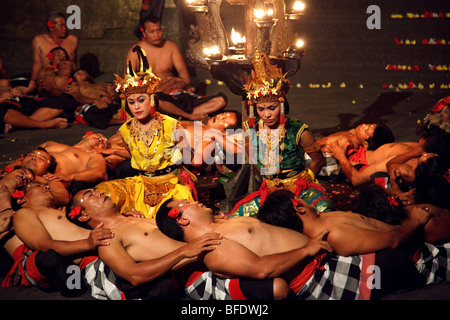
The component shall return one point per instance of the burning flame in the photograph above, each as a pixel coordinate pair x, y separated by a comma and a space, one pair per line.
236, 37
299, 43
261, 14
211, 51
299, 6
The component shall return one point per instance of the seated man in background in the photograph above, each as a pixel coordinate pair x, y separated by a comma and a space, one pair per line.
175, 93
41, 45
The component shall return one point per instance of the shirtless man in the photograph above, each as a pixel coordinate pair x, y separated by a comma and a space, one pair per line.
255, 249
249, 247
54, 77
41, 162
375, 160
349, 233
78, 163
165, 58
132, 253
356, 137
51, 234
10, 182
27, 112
85, 90
99, 100
42, 44
201, 135
163, 55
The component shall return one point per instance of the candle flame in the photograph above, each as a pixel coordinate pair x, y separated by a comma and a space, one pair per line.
236, 37
299, 6
259, 13
299, 43
211, 51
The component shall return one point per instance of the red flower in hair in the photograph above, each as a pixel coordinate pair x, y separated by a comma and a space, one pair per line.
88, 133
50, 24
75, 212
173, 213
18, 194
50, 56
393, 201
142, 29
9, 168
70, 80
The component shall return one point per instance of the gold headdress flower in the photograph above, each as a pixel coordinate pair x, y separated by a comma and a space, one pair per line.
267, 83
143, 81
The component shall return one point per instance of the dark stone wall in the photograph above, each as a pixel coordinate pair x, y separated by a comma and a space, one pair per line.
335, 34
106, 29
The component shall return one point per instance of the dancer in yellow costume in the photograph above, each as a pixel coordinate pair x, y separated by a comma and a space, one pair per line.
150, 140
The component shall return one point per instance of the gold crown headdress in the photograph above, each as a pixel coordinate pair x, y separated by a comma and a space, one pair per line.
143, 81
267, 83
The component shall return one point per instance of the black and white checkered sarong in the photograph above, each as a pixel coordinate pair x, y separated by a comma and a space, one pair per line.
338, 280
209, 287
102, 281
342, 277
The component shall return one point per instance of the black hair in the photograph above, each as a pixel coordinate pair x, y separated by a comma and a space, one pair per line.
52, 167
381, 135
167, 225
31, 170
438, 141
151, 19
278, 210
372, 201
430, 184
62, 49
